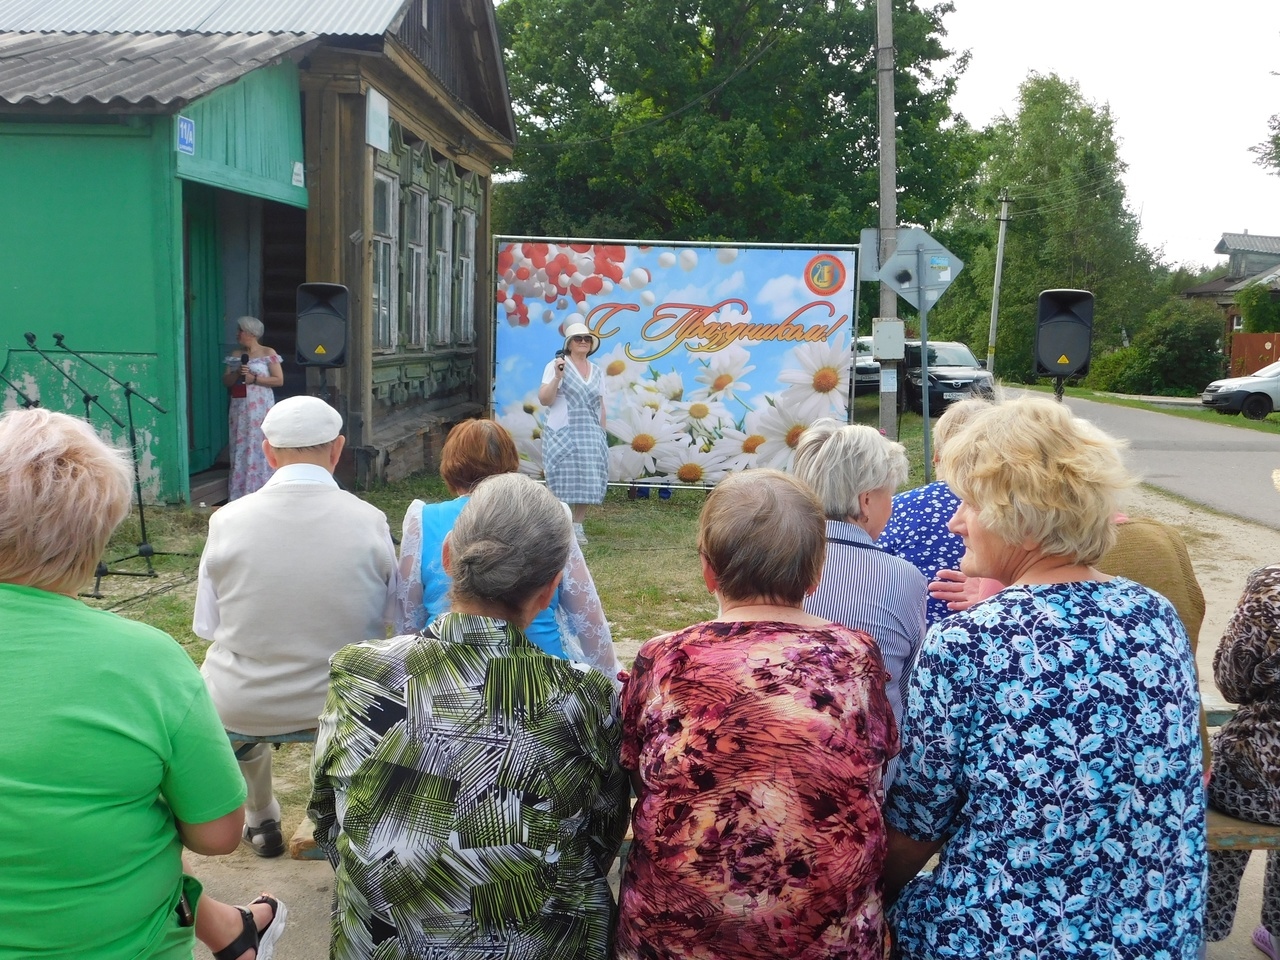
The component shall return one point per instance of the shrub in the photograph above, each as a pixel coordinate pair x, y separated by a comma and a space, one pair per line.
1175, 353
1259, 312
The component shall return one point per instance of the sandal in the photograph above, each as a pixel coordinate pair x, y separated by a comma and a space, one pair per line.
1262, 940
251, 938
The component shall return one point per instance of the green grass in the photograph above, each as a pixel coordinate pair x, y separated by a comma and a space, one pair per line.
642, 553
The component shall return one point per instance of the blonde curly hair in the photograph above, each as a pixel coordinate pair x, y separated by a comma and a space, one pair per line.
1034, 472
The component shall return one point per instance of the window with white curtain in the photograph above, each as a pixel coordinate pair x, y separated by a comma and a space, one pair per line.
465, 301
442, 270
416, 265
385, 261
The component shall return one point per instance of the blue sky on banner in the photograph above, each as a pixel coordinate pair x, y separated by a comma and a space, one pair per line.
676, 413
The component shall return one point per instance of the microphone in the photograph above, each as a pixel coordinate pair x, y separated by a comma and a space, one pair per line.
561, 353
58, 338
30, 338
244, 362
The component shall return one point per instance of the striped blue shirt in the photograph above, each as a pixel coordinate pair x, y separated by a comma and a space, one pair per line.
866, 589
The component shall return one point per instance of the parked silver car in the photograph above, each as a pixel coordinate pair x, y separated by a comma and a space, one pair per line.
1255, 395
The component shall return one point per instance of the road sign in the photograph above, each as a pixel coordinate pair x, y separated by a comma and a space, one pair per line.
940, 268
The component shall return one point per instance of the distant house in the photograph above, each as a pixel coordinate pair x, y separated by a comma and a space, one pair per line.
168, 167
1248, 254
1251, 258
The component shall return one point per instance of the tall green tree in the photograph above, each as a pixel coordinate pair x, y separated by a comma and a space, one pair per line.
1070, 226
746, 120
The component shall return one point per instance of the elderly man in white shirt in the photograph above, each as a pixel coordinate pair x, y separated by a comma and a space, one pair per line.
289, 575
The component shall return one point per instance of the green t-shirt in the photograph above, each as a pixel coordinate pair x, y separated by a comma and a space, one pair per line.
108, 734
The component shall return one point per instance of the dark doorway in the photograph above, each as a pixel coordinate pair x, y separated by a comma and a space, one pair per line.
284, 267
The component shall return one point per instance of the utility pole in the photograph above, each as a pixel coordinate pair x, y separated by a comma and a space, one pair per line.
890, 367
995, 293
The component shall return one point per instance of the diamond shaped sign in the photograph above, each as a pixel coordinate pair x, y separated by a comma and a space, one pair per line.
916, 249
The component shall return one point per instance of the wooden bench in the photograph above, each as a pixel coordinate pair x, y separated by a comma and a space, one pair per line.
302, 845
1225, 832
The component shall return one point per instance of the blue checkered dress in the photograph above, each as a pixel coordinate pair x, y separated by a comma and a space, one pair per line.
575, 457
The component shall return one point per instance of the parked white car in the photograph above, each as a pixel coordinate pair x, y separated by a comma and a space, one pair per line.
1255, 395
866, 369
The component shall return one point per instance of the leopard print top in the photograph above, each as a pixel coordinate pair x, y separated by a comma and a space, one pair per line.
1246, 668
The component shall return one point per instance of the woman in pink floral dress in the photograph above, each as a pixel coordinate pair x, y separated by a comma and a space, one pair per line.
757, 743
251, 397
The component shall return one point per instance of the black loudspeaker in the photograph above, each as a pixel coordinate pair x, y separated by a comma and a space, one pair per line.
1064, 333
322, 325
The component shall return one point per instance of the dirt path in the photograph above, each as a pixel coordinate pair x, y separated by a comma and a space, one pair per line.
1223, 551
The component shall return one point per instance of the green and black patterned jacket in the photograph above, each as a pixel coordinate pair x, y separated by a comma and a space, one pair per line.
466, 789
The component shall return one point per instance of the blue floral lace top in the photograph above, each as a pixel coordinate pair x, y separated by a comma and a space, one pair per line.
917, 532
1051, 736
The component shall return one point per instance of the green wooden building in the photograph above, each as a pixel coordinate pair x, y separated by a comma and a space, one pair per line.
165, 171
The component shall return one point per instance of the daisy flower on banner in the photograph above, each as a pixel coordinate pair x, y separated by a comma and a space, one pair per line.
646, 434
819, 380
702, 418
692, 464
721, 378
620, 371
669, 386
522, 422
738, 447
781, 424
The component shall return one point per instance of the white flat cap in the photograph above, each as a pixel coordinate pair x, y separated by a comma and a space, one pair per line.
301, 422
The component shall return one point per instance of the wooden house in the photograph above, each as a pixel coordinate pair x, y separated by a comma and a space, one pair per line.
169, 168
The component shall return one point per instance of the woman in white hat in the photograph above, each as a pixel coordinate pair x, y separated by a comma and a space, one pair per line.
575, 454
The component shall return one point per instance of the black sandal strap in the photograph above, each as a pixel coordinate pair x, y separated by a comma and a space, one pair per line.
247, 940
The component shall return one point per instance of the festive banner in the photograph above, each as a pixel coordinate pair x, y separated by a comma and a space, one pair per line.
715, 358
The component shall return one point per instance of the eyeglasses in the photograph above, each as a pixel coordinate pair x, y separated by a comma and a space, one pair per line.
580, 338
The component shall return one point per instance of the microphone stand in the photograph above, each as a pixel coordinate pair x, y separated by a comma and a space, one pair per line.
145, 550
89, 398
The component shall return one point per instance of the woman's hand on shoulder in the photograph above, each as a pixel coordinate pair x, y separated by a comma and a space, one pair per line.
959, 592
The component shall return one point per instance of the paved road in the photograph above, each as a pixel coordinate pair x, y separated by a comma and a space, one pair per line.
1219, 465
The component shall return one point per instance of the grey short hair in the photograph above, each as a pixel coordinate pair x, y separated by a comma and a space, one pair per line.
251, 325
762, 533
510, 541
843, 461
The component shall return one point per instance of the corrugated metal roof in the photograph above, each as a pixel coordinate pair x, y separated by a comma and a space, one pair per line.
1269, 277
1253, 242
333, 17
167, 69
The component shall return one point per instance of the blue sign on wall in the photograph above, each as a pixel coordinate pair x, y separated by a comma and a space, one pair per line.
187, 136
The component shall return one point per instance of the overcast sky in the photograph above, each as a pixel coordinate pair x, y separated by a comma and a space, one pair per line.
1190, 89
